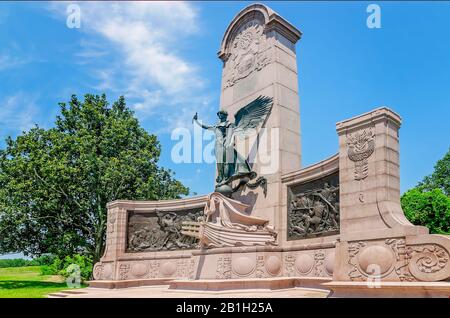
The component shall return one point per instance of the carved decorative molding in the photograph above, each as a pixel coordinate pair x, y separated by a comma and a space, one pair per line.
289, 261
97, 271
409, 263
124, 269
426, 259
103, 271
398, 246
223, 270
319, 257
361, 145
353, 250
260, 272
314, 208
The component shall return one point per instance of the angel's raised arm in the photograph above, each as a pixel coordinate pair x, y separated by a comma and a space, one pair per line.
195, 118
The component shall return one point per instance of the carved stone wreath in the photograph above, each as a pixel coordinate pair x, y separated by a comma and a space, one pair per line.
247, 52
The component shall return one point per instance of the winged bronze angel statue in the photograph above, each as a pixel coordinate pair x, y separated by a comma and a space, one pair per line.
231, 165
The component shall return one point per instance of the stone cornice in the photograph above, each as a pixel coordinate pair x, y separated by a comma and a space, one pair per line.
163, 205
315, 171
374, 116
272, 21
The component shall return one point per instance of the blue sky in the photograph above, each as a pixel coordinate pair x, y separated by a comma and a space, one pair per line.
162, 57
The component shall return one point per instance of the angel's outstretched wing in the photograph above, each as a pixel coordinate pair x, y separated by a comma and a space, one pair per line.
249, 117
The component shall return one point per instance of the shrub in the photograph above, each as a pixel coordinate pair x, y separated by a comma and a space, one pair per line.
68, 266
45, 259
53, 268
15, 262
84, 263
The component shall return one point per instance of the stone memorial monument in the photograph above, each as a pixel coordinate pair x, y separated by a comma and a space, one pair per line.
270, 223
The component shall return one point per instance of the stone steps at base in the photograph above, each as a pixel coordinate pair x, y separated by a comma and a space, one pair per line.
57, 295
249, 284
113, 284
359, 289
73, 291
65, 293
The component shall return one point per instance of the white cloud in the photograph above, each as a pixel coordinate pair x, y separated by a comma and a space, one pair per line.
17, 112
7, 61
146, 65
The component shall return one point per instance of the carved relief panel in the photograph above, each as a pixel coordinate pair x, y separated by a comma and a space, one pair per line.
313, 208
247, 50
159, 231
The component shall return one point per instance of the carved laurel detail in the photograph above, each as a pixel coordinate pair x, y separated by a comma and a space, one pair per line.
353, 250
319, 257
154, 269
398, 246
97, 272
289, 261
259, 266
361, 145
124, 269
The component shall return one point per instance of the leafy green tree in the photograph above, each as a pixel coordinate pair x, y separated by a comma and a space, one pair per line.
428, 204
428, 208
55, 183
440, 178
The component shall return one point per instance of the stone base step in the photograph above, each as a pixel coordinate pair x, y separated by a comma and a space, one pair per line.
65, 293
388, 289
73, 291
240, 284
111, 284
57, 295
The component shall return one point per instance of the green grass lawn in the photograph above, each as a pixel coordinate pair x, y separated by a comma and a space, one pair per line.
27, 282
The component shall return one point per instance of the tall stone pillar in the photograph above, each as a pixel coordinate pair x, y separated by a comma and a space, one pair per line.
376, 240
369, 173
259, 58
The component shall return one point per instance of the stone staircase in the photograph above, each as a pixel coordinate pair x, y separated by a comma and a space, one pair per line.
65, 293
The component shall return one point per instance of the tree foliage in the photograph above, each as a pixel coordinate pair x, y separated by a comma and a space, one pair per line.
55, 183
440, 178
428, 204
428, 208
